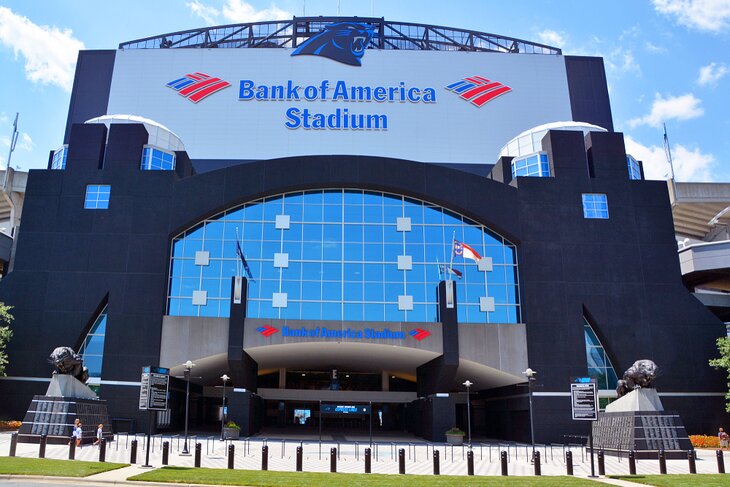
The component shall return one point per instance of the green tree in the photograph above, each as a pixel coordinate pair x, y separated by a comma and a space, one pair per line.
5, 334
723, 346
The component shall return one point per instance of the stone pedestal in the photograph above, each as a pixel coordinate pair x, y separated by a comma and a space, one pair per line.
54, 414
638, 422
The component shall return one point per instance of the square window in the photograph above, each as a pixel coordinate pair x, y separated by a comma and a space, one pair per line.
97, 196
595, 206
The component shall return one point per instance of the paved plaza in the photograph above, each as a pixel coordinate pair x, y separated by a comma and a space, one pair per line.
351, 456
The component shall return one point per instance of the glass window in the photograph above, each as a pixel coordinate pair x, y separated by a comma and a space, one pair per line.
633, 167
533, 165
154, 159
599, 365
92, 348
343, 248
59, 158
595, 206
97, 196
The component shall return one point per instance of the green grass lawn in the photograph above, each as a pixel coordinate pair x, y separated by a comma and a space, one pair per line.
704, 480
255, 478
56, 468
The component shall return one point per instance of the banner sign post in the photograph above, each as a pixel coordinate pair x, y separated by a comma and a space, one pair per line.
153, 389
584, 406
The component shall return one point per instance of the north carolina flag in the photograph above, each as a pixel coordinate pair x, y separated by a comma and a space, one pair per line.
463, 250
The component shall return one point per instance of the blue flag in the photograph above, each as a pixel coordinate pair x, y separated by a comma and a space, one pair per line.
239, 252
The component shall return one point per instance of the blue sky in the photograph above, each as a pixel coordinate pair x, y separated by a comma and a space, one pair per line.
667, 61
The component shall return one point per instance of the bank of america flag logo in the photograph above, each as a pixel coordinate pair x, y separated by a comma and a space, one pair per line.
478, 90
419, 334
267, 330
197, 86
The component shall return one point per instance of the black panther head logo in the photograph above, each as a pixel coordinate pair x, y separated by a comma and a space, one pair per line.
344, 42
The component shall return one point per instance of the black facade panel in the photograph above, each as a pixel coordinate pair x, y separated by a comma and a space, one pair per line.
621, 273
92, 82
589, 100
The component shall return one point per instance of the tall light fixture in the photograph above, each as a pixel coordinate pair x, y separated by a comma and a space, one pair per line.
225, 379
468, 385
188, 367
530, 374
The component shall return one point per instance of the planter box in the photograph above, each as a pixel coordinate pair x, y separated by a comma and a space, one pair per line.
455, 439
231, 433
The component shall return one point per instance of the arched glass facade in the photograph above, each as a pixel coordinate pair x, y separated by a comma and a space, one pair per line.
599, 365
92, 350
342, 255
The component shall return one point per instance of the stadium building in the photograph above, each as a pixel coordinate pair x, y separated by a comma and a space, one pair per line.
352, 212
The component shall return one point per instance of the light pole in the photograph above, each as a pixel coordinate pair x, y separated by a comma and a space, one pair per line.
468, 384
530, 374
223, 411
188, 367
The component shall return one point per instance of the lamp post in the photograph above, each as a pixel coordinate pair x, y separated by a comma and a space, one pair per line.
530, 374
223, 411
468, 384
188, 367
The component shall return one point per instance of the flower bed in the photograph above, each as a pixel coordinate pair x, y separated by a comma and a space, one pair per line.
704, 441
9, 425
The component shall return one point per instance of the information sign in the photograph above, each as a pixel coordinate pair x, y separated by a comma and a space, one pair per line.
345, 409
584, 399
153, 388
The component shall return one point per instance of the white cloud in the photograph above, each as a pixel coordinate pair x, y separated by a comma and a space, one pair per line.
683, 107
239, 11
689, 164
50, 53
24, 142
653, 48
711, 74
236, 11
707, 15
551, 38
205, 12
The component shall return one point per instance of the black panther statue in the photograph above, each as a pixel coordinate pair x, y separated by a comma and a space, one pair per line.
640, 375
344, 42
66, 361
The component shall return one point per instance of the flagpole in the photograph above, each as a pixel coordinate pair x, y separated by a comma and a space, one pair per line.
451, 263
438, 266
668, 154
238, 259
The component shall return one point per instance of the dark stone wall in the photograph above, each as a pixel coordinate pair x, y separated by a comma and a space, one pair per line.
92, 82
622, 272
589, 100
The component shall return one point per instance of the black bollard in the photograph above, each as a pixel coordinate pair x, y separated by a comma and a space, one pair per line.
503, 459
42, 447
691, 459
662, 462
102, 450
133, 452
368, 460
14, 444
333, 460
601, 463
536, 461
71, 449
470, 462
165, 452
265, 457
198, 454
299, 459
401, 461
231, 455
436, 462
569, 462
720, 462
632, 462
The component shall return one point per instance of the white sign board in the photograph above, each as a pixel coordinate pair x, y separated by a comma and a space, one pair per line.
584, 401
265, 103
153, 390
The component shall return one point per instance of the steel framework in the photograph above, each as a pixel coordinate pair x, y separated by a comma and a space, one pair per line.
291, 33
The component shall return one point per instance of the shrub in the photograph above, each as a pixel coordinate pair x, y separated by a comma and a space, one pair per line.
232, 425
704, 441
10, 425
455, 431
